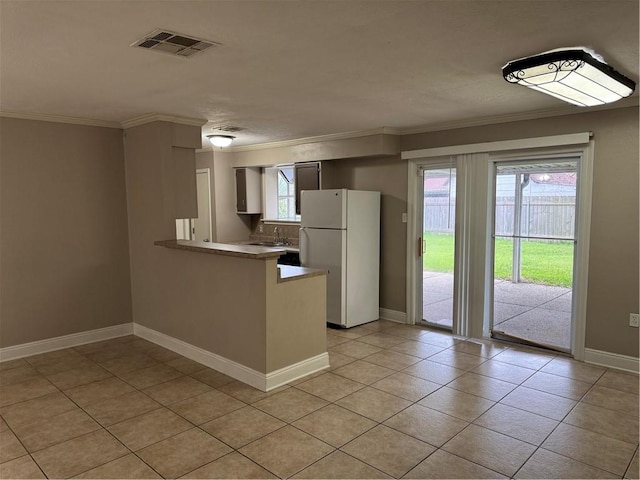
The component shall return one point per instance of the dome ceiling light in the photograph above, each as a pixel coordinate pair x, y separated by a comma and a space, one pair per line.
220, 140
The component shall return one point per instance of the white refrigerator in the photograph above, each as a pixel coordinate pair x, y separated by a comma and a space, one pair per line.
340, 232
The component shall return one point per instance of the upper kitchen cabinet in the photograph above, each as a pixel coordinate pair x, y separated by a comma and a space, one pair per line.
307, 177
248, 190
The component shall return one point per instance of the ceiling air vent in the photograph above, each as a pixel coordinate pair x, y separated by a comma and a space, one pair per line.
228, 128
173, 43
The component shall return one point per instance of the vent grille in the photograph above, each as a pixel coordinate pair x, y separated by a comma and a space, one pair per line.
228, 128
173, 43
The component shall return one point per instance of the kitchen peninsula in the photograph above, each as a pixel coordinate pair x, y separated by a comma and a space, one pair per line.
232, 308
224, 306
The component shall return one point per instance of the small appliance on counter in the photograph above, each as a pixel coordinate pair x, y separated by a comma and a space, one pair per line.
340, 232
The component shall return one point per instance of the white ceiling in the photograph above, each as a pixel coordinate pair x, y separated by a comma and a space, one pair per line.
293, 69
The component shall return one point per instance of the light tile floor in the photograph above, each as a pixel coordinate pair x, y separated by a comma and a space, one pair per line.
397, 402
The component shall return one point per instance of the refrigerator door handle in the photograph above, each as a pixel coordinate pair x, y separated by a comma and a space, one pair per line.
304, 247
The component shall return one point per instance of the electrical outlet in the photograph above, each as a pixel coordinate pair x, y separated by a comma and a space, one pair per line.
634, 318
261, 228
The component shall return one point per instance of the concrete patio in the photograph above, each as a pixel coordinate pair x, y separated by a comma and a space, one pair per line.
540, 314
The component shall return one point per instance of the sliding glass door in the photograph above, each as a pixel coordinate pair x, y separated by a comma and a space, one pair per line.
533, 251
438, 244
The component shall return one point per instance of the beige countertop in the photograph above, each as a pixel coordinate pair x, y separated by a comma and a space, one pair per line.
232, 250
288, 248
286, 273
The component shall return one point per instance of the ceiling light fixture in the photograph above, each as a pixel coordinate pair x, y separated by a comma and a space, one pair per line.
574, 75
220, 140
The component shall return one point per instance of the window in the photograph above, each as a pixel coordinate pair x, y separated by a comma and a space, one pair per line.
286, 197
280, 194
282, 186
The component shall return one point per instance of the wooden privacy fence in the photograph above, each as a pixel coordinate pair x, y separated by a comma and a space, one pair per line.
543, 216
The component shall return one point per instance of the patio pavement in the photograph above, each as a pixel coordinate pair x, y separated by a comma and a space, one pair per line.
540, 314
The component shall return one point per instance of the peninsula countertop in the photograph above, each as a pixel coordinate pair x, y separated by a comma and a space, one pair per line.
268, 243
232, 250
285, 273
234, 309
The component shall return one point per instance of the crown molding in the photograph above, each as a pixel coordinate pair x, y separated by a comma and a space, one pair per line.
632, 101
517, 117
161, 117
134, 122
476, 122
44, 117
319, 138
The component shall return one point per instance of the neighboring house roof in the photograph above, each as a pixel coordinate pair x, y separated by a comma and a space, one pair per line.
436, 183
565, 178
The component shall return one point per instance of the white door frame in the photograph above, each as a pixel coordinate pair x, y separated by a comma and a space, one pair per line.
183, 228
473, 227
207, 171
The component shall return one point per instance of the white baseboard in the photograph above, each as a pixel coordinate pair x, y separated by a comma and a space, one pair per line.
221, 364
66, 341
393, 315
611, 360
296, 371
259, 380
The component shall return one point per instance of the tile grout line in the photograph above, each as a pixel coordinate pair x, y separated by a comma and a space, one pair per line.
536, 447
377, 424
624, 475
25, 449
560, 422
412, 404
14, 433
394, 372
103, 427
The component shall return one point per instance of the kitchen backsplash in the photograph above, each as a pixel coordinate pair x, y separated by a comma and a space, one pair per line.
289, 232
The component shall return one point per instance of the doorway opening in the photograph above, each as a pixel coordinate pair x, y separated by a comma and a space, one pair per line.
534, 239
438, 245
198, 228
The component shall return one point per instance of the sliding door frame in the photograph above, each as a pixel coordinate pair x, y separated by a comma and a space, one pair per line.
421, 167
473, 269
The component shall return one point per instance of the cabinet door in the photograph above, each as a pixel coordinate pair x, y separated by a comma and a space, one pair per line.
307, 177
248, 190
241, 190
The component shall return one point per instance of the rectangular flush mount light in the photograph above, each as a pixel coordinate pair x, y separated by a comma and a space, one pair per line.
573, 75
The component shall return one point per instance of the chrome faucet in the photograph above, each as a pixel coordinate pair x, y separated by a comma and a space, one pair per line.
276, 235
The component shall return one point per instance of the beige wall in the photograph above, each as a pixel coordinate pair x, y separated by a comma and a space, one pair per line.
213, 302
205, 160
189, 296
64, 255
228, 226
358, 147
296, 319
387, 175
613, 265
613, 261
222, 304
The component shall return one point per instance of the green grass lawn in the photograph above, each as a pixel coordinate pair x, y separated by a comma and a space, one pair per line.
542, 262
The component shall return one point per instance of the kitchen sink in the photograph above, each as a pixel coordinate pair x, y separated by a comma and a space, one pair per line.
267, 244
